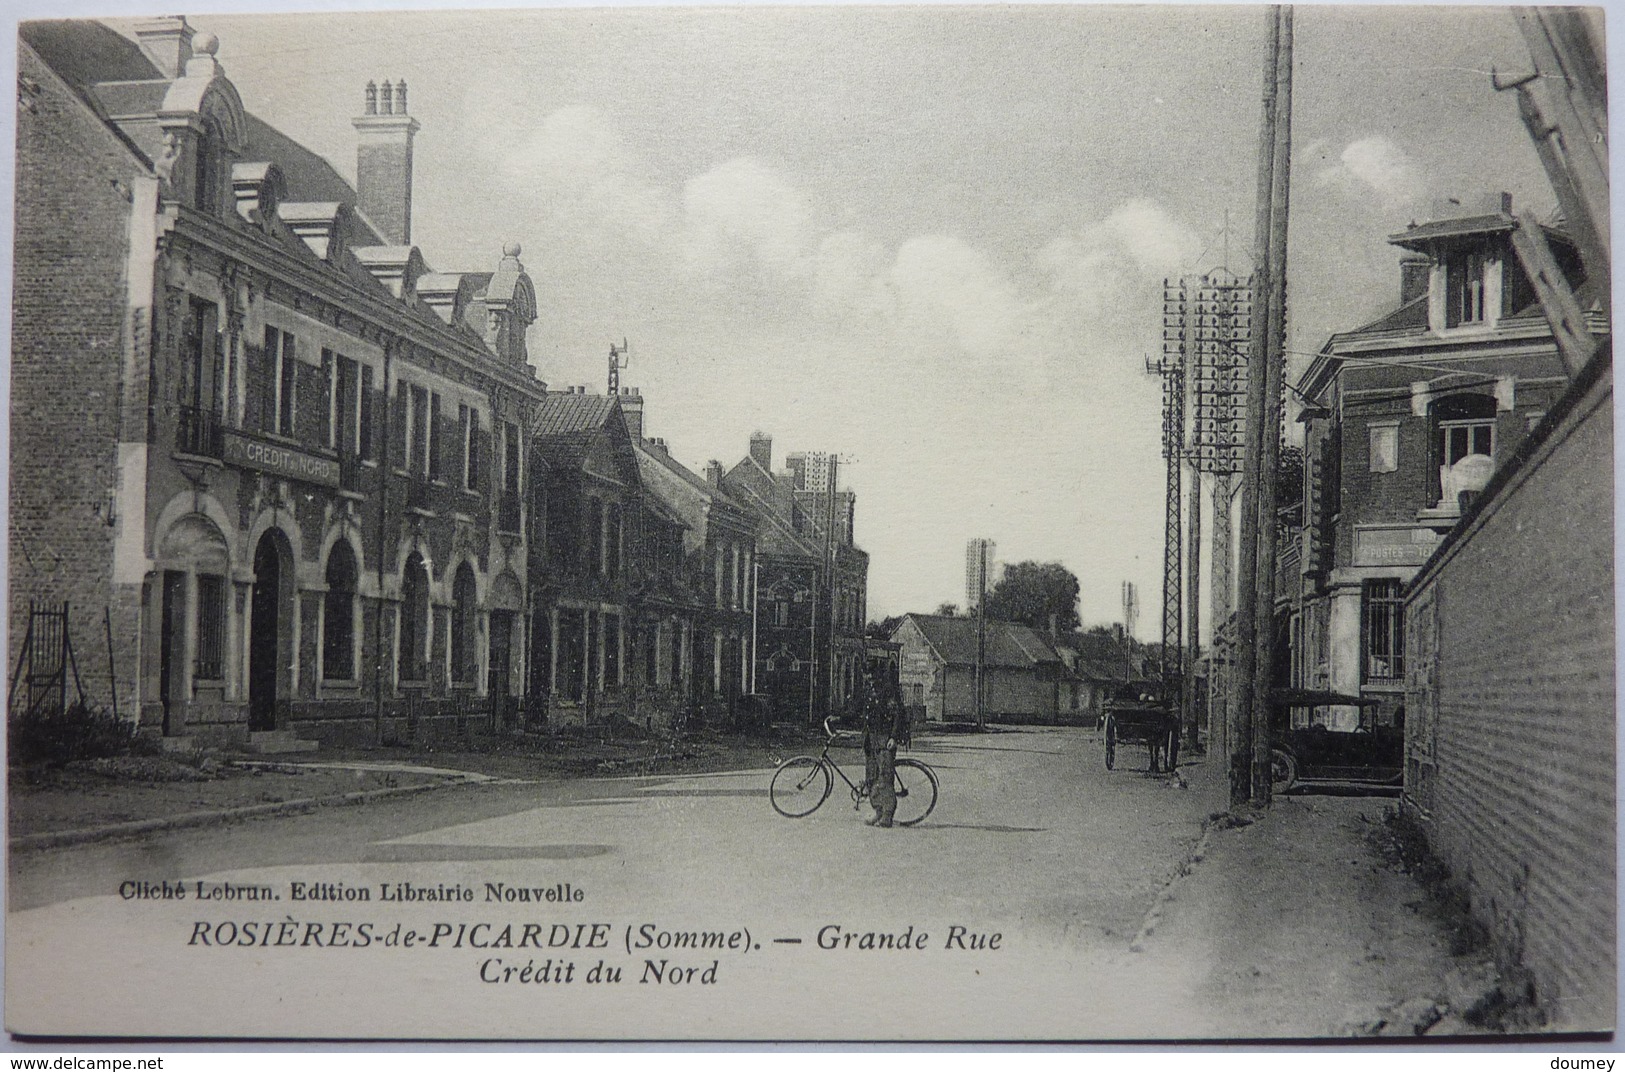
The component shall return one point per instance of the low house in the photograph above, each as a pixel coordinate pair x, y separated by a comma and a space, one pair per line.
1022, 672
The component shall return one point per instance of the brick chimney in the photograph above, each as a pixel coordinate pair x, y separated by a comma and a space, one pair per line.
383, 172
713, 473
167, 42
632, 410
1414, 270
761, 449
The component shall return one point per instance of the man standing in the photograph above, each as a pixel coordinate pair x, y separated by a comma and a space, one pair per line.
885, 726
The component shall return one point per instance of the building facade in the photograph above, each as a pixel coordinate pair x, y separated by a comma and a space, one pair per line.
714, 602
1407, 419
1024, 678
294, 486
810, 578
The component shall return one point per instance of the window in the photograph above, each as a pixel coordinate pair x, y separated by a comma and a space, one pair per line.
1384, 447
211, 627
1463, 431
282, 366
1464, 288
612, 650
364, 434
594, 545
612, 541
206, 168
338, 615
463, 627
781, 612
351, 428
201, 397
471, 444
1458, 439
414, 624
1383, 631
510, 456
434, 437
417, 445
330, 417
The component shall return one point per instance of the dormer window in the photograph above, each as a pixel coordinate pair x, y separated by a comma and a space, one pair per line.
1465, 287
207, 168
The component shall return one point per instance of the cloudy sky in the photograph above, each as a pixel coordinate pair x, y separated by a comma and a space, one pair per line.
930, 239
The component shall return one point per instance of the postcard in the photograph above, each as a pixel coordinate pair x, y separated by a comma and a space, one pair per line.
913, 523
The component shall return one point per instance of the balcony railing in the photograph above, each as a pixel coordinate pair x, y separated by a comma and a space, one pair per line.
198, 432
351, 473
508, 513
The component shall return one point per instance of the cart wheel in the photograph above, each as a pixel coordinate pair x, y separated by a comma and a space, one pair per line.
1283, 771
1111, 743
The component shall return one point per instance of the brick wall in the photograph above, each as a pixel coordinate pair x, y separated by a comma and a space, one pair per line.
70, 312
1511, 730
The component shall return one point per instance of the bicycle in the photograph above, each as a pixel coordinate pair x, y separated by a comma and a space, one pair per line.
802, 784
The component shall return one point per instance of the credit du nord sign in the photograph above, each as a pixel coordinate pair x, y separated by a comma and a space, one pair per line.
283, 461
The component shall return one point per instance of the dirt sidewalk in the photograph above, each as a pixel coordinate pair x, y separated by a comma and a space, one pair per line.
1301, 922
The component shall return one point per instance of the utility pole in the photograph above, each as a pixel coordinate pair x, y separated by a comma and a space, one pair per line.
1274, 404
1247, 573
1171, 367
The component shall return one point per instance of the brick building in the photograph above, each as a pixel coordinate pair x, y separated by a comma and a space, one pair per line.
248, 419
1407, 419
586, 559
713, 617
811, 581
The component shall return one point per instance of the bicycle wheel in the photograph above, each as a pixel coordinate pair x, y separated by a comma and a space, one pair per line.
916, 791
799, 786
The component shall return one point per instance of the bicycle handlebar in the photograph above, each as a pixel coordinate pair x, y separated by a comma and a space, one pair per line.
827, 731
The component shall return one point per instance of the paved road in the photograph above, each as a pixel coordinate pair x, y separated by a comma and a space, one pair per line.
1032, 841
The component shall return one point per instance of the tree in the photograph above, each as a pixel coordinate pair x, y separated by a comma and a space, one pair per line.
947, 610
884, 628
1043, 595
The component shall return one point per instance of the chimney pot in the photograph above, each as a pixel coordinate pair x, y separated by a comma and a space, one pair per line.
384, 162
400, 97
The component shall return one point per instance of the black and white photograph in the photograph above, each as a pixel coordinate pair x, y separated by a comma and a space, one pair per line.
1060, 523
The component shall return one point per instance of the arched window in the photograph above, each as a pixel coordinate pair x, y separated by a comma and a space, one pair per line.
464, 653
207, 168
338, 615
414, 630
1463, 444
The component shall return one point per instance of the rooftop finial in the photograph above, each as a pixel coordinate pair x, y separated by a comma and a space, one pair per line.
400, 97
385, 105
372, 98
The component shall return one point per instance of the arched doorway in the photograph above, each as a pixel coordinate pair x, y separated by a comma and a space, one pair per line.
265, 630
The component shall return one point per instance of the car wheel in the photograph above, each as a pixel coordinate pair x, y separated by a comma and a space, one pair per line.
1283, 771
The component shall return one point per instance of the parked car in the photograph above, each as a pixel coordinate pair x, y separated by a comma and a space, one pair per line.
1370, 754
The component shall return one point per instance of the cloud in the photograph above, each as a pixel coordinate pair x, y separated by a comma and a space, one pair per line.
1378, 165
743, 218
583, 175
945, 287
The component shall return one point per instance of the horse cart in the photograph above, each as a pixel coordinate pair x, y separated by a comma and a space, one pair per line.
1137, 714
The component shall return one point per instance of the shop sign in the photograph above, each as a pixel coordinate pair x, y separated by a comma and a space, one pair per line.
283, 461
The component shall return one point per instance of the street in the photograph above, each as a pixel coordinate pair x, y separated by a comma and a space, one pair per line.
1031, 841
